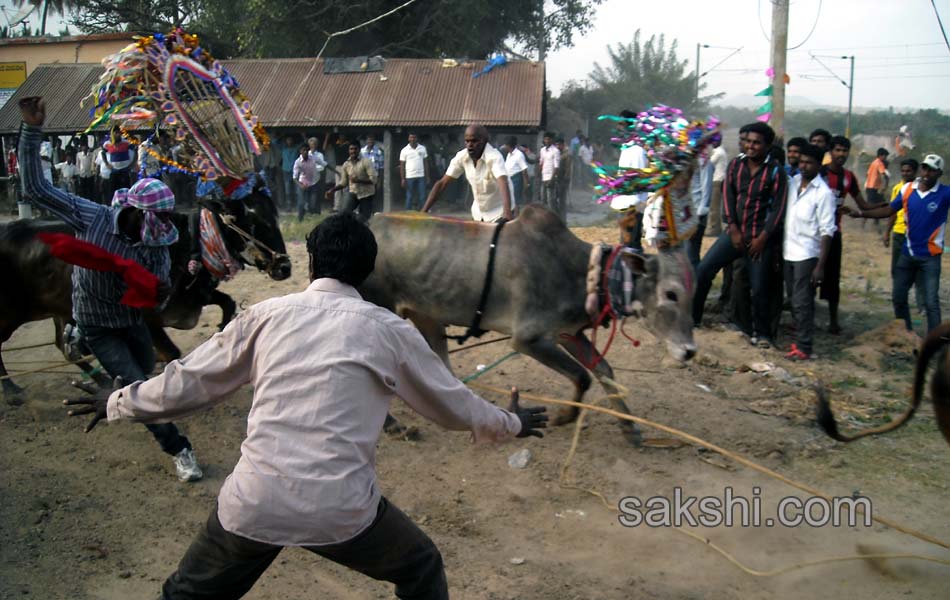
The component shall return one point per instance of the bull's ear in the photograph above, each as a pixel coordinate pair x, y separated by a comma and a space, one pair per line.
636, 262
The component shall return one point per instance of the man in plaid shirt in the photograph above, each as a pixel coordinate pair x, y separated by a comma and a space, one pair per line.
138, 228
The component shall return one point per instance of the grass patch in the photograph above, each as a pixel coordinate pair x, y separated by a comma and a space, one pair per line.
296, 231
850, 382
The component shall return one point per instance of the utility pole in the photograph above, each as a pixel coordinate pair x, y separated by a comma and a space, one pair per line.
779, 51
697, 73
847, 131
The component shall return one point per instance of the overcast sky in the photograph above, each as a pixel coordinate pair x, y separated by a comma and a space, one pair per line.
901, 59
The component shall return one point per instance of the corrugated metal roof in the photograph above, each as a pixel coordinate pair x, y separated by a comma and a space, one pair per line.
296, 93
62, 87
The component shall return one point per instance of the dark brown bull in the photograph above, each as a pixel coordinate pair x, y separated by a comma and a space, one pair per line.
38, 286
935, 345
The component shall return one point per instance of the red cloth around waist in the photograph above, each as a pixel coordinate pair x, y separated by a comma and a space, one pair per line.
142, 285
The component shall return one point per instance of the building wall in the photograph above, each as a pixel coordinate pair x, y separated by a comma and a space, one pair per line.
70, 49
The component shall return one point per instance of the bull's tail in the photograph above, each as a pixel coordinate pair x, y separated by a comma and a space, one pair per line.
936, 340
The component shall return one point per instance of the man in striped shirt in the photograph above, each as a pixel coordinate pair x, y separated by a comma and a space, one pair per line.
754, 197
140, 231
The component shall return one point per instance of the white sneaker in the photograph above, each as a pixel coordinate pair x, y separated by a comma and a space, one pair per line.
186, 466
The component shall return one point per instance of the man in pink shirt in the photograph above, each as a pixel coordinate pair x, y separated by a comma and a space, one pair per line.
324, 365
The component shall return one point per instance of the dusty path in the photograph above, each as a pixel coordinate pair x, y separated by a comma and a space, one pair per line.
101, 515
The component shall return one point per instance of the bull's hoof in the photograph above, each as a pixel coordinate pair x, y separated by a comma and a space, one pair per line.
632, 434
397, 430
12, 393
565, 415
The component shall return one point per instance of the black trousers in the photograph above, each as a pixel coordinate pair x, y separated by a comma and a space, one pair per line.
831, 285
801, 293
224, 566
364, 206
723, 254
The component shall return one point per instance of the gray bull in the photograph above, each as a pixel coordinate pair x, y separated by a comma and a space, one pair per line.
432, 270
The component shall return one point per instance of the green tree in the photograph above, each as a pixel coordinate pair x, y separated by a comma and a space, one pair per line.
141, 16
59, 7
286, 28
639, 74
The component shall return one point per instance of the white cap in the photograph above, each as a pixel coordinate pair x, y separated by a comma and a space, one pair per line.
933, 161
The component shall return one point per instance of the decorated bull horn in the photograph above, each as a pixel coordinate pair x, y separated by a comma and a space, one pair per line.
170, 82
671, 144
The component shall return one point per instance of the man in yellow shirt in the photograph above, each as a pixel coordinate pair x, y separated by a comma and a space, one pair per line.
896, 223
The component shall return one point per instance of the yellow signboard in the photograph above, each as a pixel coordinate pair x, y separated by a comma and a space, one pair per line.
12, 74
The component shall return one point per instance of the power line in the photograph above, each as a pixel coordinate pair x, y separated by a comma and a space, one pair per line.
939, 22
829, 70
713, 68
814, 25
880, 46
877, 58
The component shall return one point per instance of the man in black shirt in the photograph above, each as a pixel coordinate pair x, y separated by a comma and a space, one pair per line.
754, 197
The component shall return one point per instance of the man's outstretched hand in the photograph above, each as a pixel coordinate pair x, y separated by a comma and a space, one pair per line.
33, 110
95, 403
532, 418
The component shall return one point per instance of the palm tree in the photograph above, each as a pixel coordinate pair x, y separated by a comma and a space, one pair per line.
60, 7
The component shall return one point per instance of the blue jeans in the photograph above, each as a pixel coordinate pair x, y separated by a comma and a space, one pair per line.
723, 254
127, 352
289, 186
695, 243
415, 189
549, 195
305, 199
925, 271
517, 181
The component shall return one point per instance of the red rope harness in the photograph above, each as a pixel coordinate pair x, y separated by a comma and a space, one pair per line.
606, 311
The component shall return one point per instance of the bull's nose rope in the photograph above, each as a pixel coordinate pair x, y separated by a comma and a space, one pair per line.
228, 221
623, 391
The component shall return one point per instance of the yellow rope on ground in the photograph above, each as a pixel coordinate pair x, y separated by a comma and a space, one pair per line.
29, 347
676, 432
470, 346
50, 367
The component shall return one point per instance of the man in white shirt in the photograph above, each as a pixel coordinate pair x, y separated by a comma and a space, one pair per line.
484, 168
549, 159
321, 164
720, 160
585, 156
85, 165
67, 174
306, 475
414, 172
517, 166
105, 177
809, 227
631, 221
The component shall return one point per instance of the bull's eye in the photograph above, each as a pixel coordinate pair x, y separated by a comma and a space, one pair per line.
671, 296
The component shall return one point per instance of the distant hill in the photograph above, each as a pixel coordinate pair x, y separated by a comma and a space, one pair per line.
803, 103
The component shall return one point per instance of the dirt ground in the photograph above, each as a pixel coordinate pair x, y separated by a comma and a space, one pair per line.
101, 515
